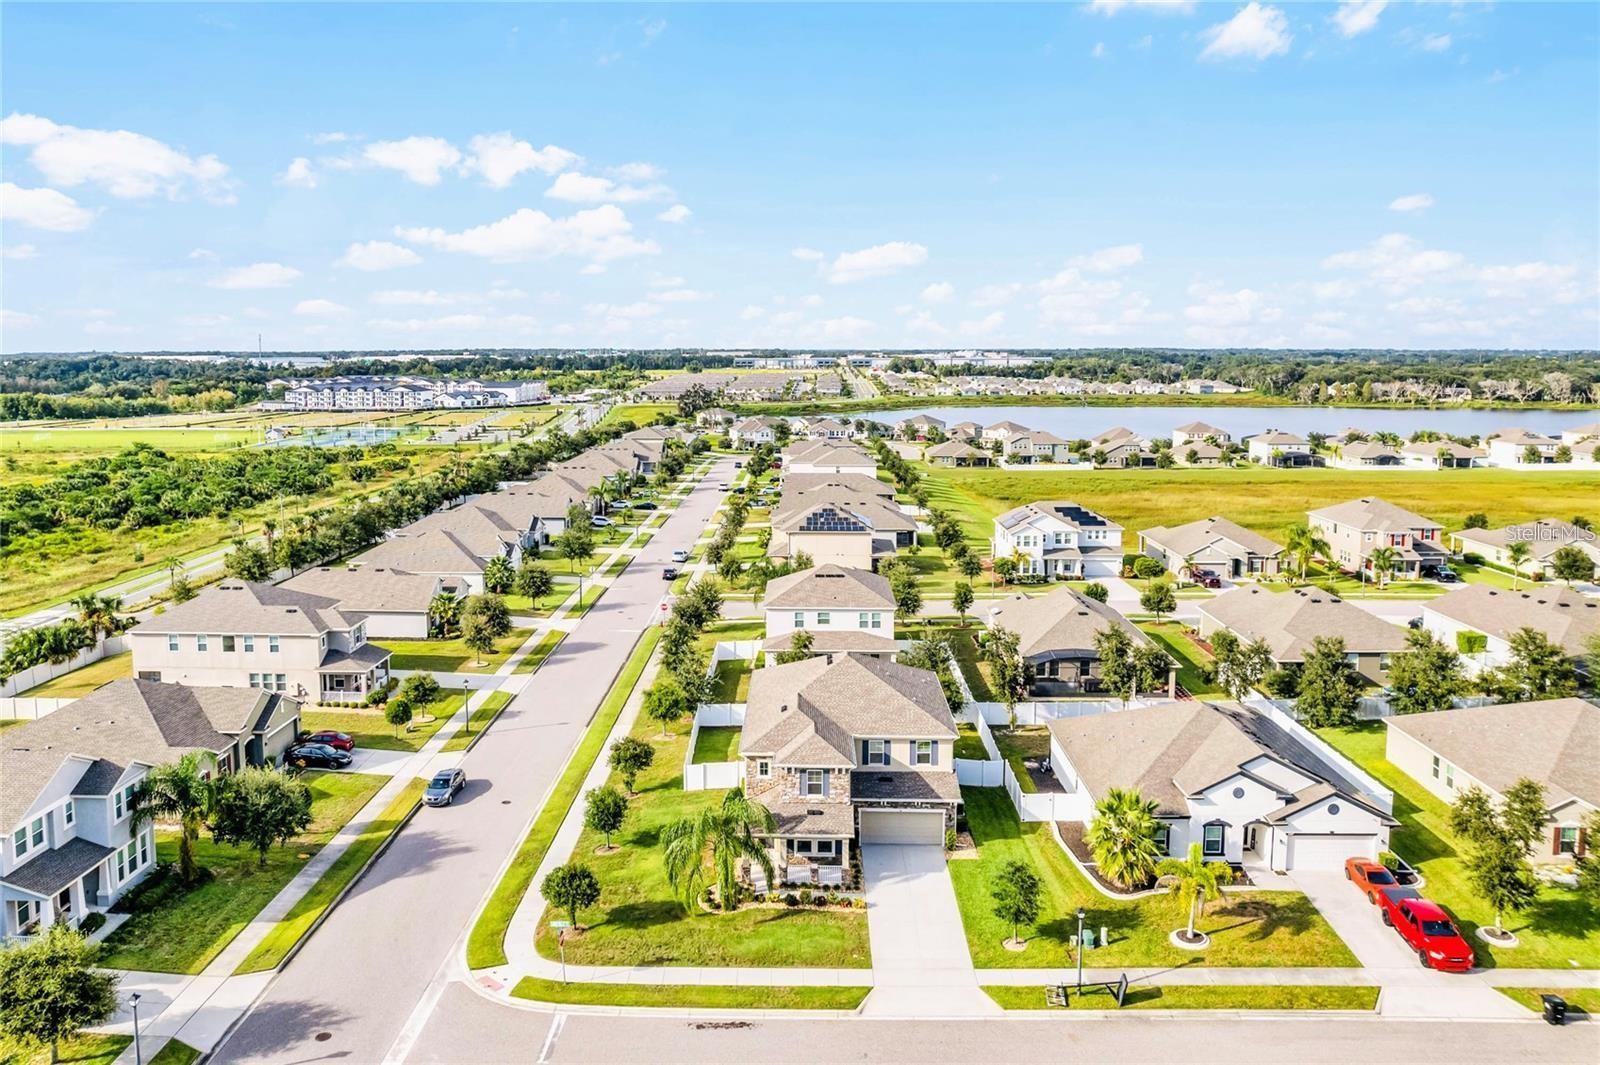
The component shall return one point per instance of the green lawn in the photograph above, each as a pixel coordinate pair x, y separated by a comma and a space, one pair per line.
182, 934
1276, 928
369, 729
1486, 575
175, 1052
451, 656
731, 632
690, 996
968, 744
733, 680
542, 650
486, 944
1581, 1001
88, 1049
1197, 997
1173, 638
973, 668
1024, 741
717, 744
617, 565
591, 595
1561, 931
82, 681
271, 951
480, 719
640, 921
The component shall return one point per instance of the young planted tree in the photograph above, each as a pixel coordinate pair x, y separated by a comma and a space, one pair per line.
1114, 648
179, 791
570, 888
961, 600
498, 575
665, 703
50, 991
398, 712
1426, 676
1497, 864
258, 807
719, 838
1005, 569
1010, 680
248, 563
533, 582
444, 613
907, 596
1159, 598
1122, 838
631, 756
1517, 553
1195, 880
1016, 892
420, 689
1329, 687
970, 565
575, 542
605, 810
800, 644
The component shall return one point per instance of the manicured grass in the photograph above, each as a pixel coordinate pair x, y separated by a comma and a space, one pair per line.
87, 1049
541, 651
1024, 741
175, 1052
1486, 575
486, 944
1196, 997
968, 744
733, 681
640, 920
591, 595
183, 933
1173, 638
1277, 928
451, 656
963, 641
83, 681
481, 718
271, 951
690, 996
617, 565
1581, 1001
369, 729
732, 632
717, 744
1560, 931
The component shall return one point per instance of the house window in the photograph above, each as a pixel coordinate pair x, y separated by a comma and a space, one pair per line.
172, 641
923, 752
1435, 767
26, 912
825, 846
227, 643
272, 644
877, 752
1567, 841
877, 620
763, 769
814, 782
255, 680
359, 636
1449, 776
200, 642
69, 813
1163, 837
36, 832
864, 621
1212, 841
249, 644
280, 685
19, 841
799, 619
823, 618
122, 802
802, 846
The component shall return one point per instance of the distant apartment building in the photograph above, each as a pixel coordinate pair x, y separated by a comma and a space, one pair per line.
408, 393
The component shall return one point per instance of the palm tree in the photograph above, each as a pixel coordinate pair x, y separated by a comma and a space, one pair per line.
1195, 880
719, 836
1303, 544
444, 610
1517, 552
99, 613
1383, 561
498, 574
183, 792
1122, 837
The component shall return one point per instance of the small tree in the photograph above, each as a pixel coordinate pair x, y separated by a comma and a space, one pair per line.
1330, 688
1122, 837
1005, 569
1006, 669
1427, 676
1096, 591
248, 563
1238, 667
800, 644
571, 887
665, 703
1569, 563
719, 837
498, 576
631, 756
50, 990
970, 565
606, 810
180, 792
444, 613
1195, 880
575, 542
1383, 561
1498, 862
961, 601
420, 689
488, 612
258, 807
1538, 669
1016, 891
907, 596
1114, 647
398, 712
1159, 599
533, 582
1517, 553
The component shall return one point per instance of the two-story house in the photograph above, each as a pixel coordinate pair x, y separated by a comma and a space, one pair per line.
1058, 538
69, 848
1117, 447
917, 427
823, 456
1510, 447
1277, 448
857, 749
836, 525
1199, 433
753, 432
843, 609
240, 634
1354, 530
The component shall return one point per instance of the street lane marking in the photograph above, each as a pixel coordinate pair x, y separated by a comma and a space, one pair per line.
550, 1040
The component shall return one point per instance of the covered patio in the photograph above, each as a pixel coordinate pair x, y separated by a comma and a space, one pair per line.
346, 675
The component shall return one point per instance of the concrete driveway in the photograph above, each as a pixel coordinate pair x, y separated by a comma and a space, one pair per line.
920, 964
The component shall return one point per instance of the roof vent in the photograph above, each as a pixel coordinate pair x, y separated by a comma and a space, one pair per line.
784, 708
885, 780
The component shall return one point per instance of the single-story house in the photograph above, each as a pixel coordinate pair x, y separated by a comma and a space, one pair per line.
1214, 545
1055, 638
956, 453
1544, 537
1290, 621
1567, 618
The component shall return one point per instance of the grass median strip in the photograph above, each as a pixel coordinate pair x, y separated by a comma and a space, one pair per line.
543, 650
271, 951
486, 945
480, 720
690, 996
175, 1052
1581, 1001
85, 1049
1208, 997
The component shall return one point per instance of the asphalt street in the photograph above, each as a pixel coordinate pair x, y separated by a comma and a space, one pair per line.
350, 993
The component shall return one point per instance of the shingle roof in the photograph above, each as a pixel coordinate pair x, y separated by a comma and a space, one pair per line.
368, 589
1064, 511
922, 786
1544, 536
830, 586
826, 641
1568, 618
1368, 449
1199, 535
797, 817
1554, 742
427, 551
955, 449
1372, 513
246, 606
1063, 621
1290, 621
55, 869
1275, 436
858, 484
872, 513
1201, 429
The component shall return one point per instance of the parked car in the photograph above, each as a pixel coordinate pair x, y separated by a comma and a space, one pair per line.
1427, 929
1414, 623
1369, 877
722, 485
339, 741
645, 505
316, 756
680, 555
1208, 580
738, 465
442, 789
669, 573
599, 522
1446, 575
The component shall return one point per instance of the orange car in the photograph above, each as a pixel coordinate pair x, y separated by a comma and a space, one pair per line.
1369, 877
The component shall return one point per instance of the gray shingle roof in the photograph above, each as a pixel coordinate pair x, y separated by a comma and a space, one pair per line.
55, 869
919, 786
1556, 742
1290, 621
826, 641
1065, 621
798, 817
856, 484
1377, 515
1568, 618
830, 586
1544, 536
368, 589
1215, 531
245, 606
426, 551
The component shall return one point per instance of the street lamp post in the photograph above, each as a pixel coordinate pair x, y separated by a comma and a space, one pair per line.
138, 1051
1081, 916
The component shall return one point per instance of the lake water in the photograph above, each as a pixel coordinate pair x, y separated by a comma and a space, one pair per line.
1081, 423
362, 435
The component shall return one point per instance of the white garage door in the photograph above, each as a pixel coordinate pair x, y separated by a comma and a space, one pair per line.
902, 826
1329, 852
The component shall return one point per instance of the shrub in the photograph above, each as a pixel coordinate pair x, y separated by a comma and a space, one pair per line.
1389, 860
1472, 558
1147, 567
949, 839
819, 899
833, 898
805, 896
92, 923
791, 900
859, 903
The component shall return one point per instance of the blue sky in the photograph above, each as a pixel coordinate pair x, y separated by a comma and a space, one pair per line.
1359, 174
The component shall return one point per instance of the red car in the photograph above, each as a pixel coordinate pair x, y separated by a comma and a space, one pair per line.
339, 741
1369, 877
1428, 930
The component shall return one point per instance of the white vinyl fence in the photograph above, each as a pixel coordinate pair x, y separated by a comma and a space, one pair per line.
29, 708
997, 772
708, 776
36, 675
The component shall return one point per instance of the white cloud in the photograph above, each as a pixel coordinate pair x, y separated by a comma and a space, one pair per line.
43, 209
1223, 308
1164, 7
500, 157
1255, 32
256, 275
1435, 42
375, 255
845, 328
599, 234
299, 174
1419, 201
978, 327
636, 172
127, 165
876, 261
205, 254
666, 281
635, 310
408, 297
751, 313
420, 159
203, 321
592, 268
319, 307
809, 255
676, 213
1098, 51
574, 187
938, 292
1524, 273
1397, 260
16, 319
1356, 17
681, 295
19, 251
811, 300
995, 295
1109, 260
786, 317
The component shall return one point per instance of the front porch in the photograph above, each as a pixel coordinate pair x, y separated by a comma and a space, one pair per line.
61, 887
351, 677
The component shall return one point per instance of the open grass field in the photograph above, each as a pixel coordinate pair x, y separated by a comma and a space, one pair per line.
1241, 997
369, 729
87, 442
637, 413
1560, 931
87, 1049
690, 996
639, 919
1277, 928
183, 933
452, 656
81, 682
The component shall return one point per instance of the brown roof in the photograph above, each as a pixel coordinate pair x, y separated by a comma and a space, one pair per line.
830, 586
1208, 532
798, 817
856, 483
1377, 515
246, 606
825, 641
368, 589
1064, 621
426, 551
1290, 621
1556, 742
1566, 617
1544, 536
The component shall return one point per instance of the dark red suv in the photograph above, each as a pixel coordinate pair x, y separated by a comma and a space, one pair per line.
339, 741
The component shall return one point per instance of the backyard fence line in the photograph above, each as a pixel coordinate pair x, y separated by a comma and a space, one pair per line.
33, 676
29, 708
706, 776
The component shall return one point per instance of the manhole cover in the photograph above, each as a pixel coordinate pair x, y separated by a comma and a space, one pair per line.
323, 1037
